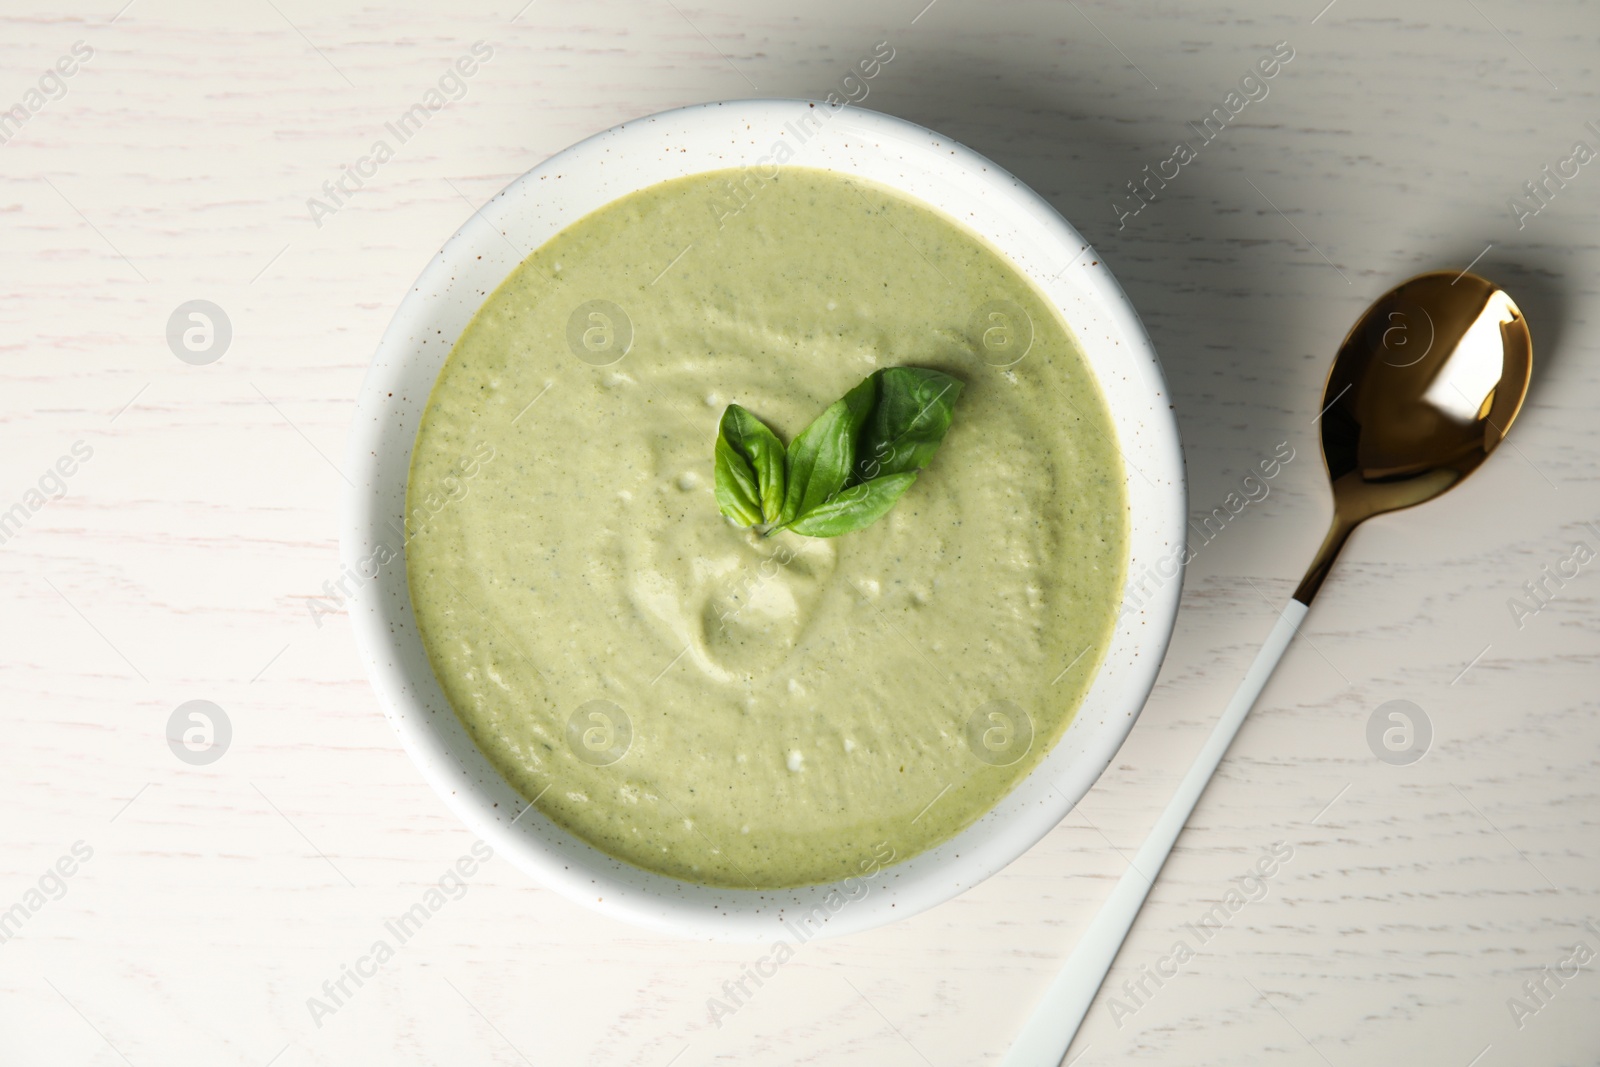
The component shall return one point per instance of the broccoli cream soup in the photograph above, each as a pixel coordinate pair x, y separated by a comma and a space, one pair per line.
695, 698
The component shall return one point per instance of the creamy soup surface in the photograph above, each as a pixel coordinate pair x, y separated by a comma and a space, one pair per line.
689, 696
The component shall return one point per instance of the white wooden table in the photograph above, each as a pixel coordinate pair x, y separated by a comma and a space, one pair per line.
177, 561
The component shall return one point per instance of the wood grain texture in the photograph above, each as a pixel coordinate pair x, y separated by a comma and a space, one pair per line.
179, 563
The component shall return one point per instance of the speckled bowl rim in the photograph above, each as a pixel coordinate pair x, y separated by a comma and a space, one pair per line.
567, 186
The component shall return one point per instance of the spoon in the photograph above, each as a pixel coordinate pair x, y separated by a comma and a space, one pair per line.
1424, 387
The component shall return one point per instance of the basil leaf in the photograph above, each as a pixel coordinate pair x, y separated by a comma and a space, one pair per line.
913, 413
854, 508
821, 458
738, 494
748, 438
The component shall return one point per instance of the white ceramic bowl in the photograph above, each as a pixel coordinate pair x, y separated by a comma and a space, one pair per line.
612, 164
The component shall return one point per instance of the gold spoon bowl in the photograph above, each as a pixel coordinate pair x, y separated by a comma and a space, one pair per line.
1424, 387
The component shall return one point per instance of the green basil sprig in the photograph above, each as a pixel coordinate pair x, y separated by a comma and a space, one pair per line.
846, 469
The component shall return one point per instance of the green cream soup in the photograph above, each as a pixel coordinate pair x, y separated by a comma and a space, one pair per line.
687, 695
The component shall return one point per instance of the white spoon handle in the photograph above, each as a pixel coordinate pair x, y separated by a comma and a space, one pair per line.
1044, 1040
